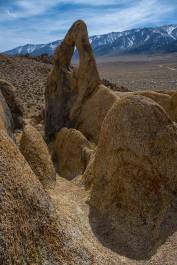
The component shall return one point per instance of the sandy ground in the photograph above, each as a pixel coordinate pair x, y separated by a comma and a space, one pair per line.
77, 222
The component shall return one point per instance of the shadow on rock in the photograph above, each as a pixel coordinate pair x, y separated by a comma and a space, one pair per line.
120, 241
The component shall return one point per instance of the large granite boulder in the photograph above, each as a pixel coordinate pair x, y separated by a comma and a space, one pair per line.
35, 150
134, 172
71, 153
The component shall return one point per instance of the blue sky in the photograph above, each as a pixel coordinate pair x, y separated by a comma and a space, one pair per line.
42, 21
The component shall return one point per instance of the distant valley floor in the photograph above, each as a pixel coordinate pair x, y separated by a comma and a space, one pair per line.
141, 72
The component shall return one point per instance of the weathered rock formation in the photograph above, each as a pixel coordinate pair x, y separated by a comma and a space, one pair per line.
134, 172
64, 83
93, 112
71, 153
9, 93
36, 153
6, 120
29, 231
74, 98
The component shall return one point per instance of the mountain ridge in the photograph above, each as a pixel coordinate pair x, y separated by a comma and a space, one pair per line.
161, 39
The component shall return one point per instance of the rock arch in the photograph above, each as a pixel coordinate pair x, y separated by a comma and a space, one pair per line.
66, 85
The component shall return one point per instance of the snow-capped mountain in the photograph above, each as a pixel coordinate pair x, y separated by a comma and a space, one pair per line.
35, 49
135, 41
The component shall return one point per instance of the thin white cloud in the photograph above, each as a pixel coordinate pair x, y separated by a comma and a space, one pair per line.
27, 8
11, 14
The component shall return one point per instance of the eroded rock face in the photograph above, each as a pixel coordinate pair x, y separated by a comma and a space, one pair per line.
9, 93
93, 112
6, 120
168, 102
36, 153
29, 231
71, 153
134, 172
67, 89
